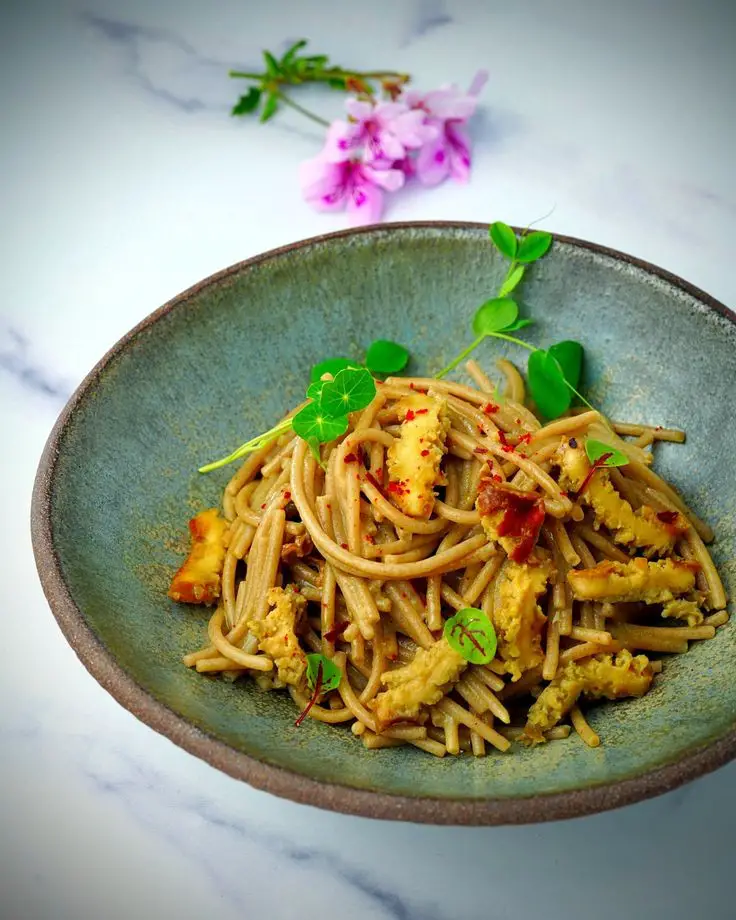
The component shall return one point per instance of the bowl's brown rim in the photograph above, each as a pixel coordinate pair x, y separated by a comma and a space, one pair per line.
276, 780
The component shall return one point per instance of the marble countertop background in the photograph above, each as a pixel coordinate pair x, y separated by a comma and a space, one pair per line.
123, 181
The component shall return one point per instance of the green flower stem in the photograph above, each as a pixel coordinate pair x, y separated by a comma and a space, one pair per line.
320, 76
255, 444
513, 340
300, 108
461, 357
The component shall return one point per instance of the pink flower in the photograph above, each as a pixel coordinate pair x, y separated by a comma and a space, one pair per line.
449, 153
383, 132
330, 186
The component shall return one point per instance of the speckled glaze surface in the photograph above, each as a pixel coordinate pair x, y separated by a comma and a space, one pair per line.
118, 482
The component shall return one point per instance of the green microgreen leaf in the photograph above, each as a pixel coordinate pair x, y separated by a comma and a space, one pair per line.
569, 356
512, 280
313, 425
504, 239
495, 315
472, 635
314, 390
597, 449
248, 103
386, 357
250, 446
547, 384
331, 366
533, 246
269, 107
520, 323
351, 390
331, 674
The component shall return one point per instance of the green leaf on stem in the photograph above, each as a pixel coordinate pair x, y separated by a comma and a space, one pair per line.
494, 315
351, 390
512, 281
248, 103
269, 107
272, 65
504, 239
547, 384
569, 355
386, 357
331, 674
313, 425
533, 246
597, 449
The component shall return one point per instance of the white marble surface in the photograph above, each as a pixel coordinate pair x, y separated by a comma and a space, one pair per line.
122, 181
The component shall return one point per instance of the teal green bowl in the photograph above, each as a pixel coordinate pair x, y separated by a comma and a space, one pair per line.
117, 484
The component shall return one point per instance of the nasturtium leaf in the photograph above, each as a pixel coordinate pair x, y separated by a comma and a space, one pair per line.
520, 323
247, 103
494, 315
512, 281
351, 390
330, 366
597, 449
472, 635
314, 390
533, 246
569, 356
504, 239
269, 107
547, 384
311, 424
386, 357
331, 674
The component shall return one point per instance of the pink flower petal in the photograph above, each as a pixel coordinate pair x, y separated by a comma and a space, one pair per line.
358, 109
413, 129
479, 81
341, 140
459, 142
433, 162
365, 204
323, 184
389, 179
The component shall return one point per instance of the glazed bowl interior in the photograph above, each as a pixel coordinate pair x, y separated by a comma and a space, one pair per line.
225, 360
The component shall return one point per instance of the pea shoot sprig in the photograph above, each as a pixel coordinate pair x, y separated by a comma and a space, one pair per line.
337, 388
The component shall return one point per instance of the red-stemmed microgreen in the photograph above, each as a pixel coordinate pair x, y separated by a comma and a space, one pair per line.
471, 634
323, 675
595, 450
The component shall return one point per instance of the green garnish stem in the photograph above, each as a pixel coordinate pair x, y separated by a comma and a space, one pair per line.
461, 357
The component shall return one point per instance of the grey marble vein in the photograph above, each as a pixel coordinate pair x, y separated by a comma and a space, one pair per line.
16, 361
427, 17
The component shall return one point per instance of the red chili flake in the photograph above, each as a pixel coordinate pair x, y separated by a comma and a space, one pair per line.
657, 427
263, 506
490, 408
287, 496
523, 515
296, 588
591, 472
564, 494
480, 450
286, 640
350, 458
518, 421
344, 545
497, 478
667, 517
481, 431
409, 417
369, 538
413, 386
525, 438
396, 487
424, 453
332, 635
505, 446
373, 481
421, 412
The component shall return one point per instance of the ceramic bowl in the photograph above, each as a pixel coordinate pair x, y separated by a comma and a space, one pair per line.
117, 483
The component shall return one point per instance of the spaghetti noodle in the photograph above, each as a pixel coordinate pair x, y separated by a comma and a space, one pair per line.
438, 499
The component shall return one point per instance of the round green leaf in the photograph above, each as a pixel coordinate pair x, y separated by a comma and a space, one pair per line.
597, 449
569, 356
386, 357
547, 384
331, 366
495, 315
519, 324
533, 246
351, 390
311, 424
314, 390
512, 281
472, 635
331, 674
504, 239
